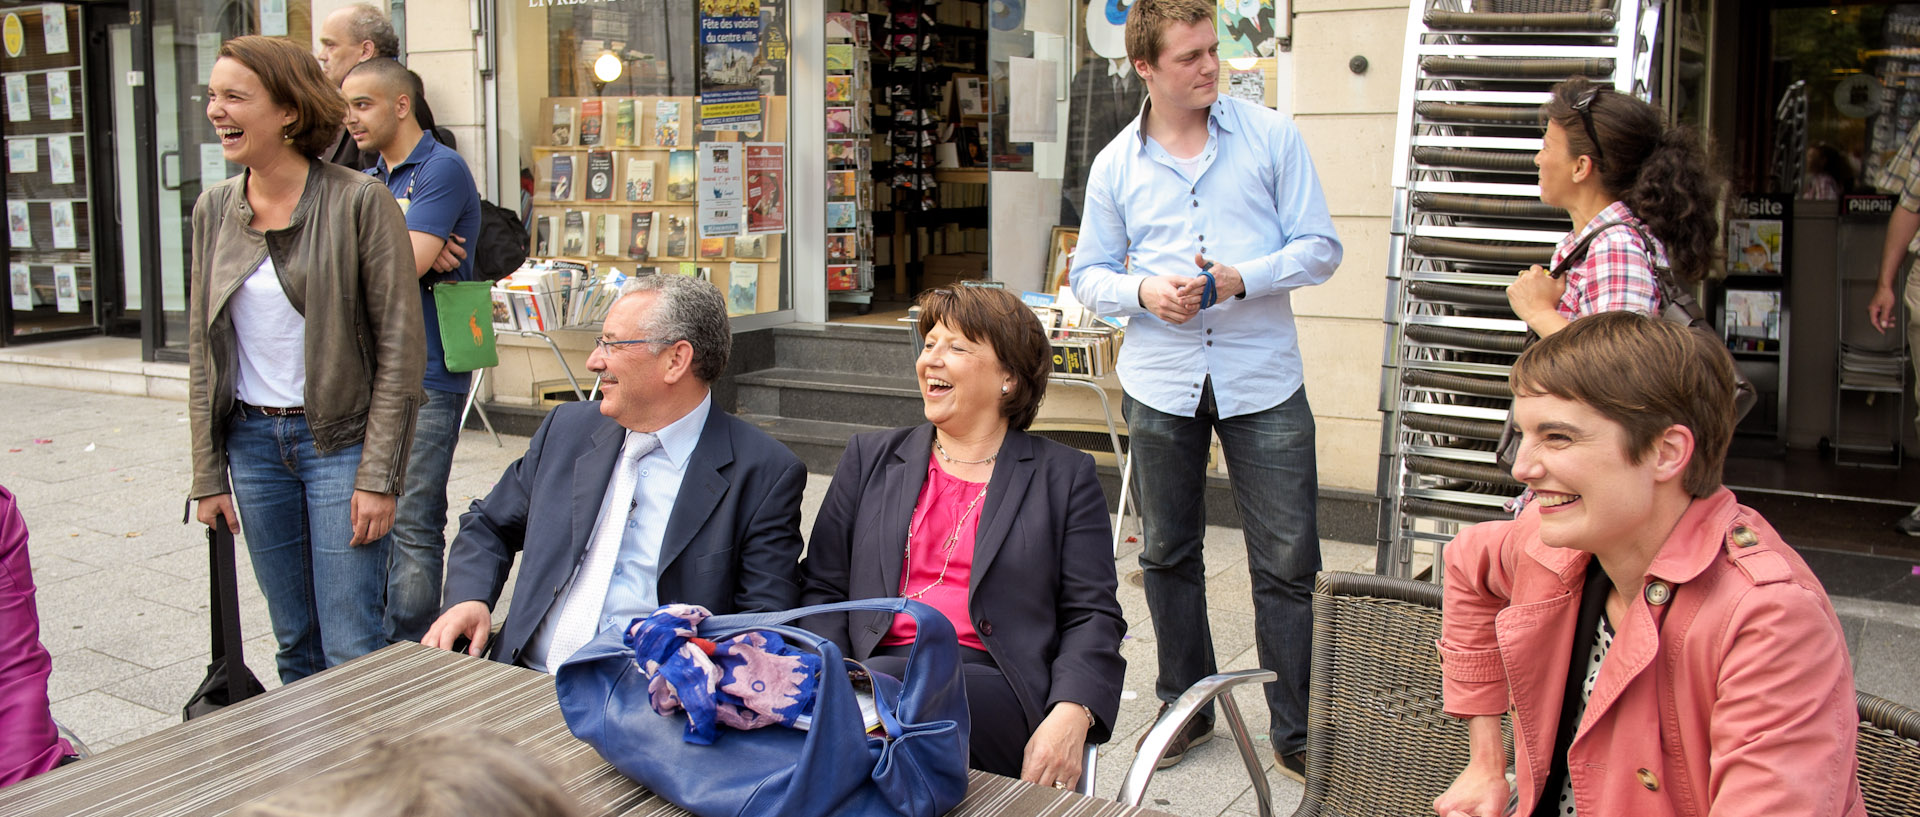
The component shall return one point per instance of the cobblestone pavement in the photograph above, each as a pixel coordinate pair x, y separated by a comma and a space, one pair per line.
122, 583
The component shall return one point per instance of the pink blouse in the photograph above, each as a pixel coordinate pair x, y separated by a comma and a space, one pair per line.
943, 505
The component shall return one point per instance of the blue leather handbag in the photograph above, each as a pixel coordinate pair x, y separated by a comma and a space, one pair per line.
917, 768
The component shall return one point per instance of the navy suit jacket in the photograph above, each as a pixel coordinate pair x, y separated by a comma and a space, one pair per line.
732, 542
1041, 593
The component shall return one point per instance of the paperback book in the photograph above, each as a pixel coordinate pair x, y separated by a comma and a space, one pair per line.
640, 237
666, 123
574, 241
743, 287
639, 180
679, 231
680, 175
561, 188
599, 175
590, 123
750, 246
561, 134
623, 116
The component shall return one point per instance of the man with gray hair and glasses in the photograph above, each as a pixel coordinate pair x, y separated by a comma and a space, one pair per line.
650, 496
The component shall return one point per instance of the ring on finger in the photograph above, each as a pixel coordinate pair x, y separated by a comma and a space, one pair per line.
1059, 784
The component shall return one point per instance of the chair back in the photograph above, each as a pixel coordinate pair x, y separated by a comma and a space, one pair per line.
1378, 741
1889, 749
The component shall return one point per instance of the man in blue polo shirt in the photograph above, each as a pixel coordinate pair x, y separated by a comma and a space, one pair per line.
437, 193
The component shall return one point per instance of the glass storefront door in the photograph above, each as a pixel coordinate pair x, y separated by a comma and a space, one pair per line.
186, 40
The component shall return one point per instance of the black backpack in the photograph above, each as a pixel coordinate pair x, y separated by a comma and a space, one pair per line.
502, 244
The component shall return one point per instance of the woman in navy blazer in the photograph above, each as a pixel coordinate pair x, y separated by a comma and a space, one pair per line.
1005, 533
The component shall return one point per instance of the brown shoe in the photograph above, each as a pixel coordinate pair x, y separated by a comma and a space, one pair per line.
1293, 765
1198, 731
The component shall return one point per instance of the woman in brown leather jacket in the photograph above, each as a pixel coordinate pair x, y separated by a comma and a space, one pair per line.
306, 352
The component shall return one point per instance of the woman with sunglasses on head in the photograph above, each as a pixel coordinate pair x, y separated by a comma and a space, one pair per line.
1640, 187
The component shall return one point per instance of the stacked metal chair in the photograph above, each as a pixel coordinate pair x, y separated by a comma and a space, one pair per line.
1467, 218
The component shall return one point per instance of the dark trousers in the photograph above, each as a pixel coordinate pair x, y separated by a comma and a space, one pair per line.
1271, 466
1000, 729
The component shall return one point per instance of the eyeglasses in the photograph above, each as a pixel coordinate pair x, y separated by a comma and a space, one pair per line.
604, 345
1584, 105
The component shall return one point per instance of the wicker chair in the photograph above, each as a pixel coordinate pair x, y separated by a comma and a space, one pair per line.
1889, 757
1377, 740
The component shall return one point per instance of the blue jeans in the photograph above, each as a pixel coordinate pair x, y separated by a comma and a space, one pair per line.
418, 557
1270, 465
295, 504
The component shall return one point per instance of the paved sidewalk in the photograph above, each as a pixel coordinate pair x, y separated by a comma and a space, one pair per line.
123, 589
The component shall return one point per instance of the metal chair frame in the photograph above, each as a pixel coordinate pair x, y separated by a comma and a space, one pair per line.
1133, 789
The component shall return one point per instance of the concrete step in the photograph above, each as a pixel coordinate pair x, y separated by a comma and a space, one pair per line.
877, 350
97, 364
842, 397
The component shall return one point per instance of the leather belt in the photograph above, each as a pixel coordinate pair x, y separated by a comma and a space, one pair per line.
272, 411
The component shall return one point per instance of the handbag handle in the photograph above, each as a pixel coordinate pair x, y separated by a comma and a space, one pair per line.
927, 620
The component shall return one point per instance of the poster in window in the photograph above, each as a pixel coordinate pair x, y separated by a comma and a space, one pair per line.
766, 188
53, 24
18, 109
1757, 234
729, 73
20, 283
60, 159
63, 232
66, 288
1245, 28
719, 194
59, 96
23, 155
19, 225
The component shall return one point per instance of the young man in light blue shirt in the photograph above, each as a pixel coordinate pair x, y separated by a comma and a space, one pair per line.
1201, 217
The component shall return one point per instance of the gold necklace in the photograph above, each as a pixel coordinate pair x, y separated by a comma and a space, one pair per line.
949, 458
953, 541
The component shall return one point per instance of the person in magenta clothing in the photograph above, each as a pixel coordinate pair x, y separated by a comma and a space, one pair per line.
1614, 164
1659, 648
29, 742
1005, 533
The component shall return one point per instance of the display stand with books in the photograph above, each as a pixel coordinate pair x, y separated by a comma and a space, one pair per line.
614, 191
850, 191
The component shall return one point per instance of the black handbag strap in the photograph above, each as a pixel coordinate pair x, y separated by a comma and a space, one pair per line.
225, 601
1671, 293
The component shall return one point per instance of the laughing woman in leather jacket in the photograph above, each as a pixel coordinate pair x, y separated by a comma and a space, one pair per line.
306, 351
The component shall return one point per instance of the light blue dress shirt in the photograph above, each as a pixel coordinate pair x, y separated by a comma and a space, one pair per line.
633, 590
1253, 202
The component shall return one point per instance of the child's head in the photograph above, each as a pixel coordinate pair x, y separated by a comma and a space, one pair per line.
443, 773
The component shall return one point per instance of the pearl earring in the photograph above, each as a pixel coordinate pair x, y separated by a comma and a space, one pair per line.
1003, 389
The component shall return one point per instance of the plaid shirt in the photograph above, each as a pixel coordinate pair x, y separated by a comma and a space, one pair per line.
1617, 274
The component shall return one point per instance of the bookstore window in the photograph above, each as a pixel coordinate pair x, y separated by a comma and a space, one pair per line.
653, 141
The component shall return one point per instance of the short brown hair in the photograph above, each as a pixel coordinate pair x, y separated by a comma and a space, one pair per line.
997, 318
1148, 19
292, 79
456, 772
1647, 375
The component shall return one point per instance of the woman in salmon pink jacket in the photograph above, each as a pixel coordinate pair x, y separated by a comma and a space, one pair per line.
1661, 650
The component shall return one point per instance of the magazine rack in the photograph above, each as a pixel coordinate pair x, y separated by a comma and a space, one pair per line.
479, 376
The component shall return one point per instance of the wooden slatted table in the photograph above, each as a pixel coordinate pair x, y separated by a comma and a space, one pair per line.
212, 765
